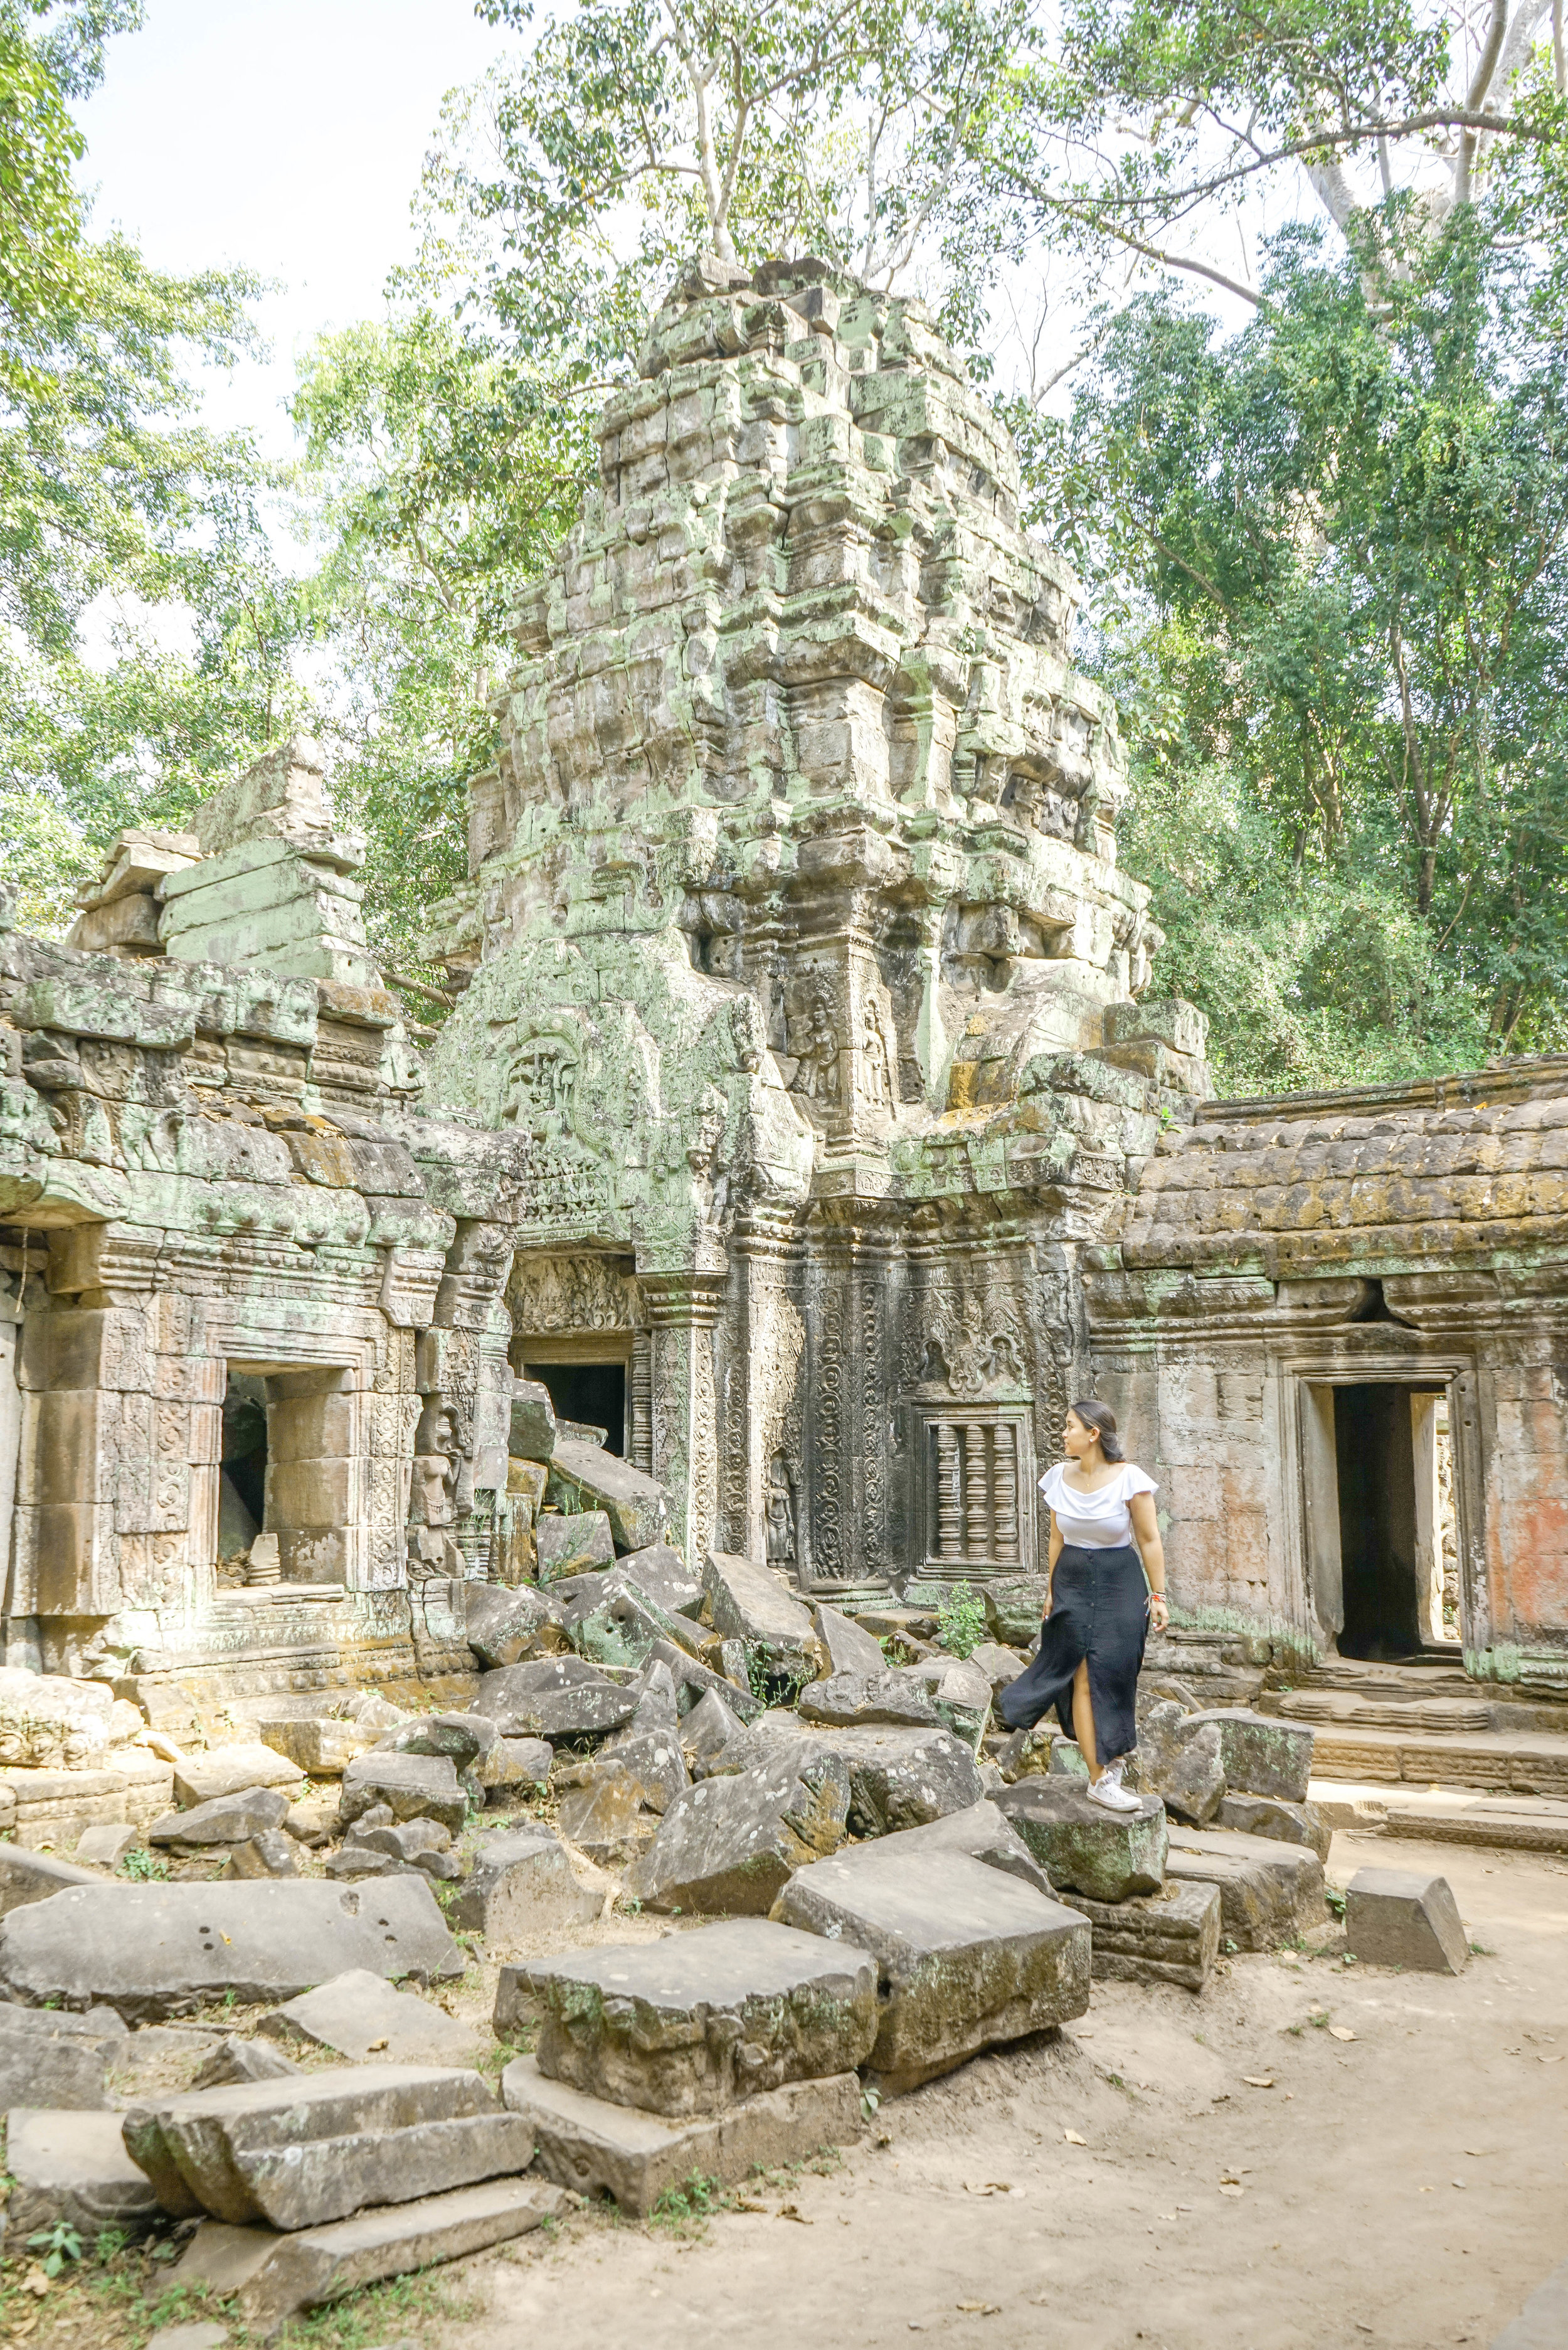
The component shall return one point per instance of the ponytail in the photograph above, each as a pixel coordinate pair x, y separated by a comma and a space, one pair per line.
1102, 1420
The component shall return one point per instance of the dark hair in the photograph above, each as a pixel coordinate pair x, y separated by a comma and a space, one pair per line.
1102, 1420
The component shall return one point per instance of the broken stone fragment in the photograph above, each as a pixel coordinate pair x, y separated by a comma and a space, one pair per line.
1172, 1936
709, 1733
514, 1765
71, 2170
968, 1956
572, 1546
531, 1434
272, 1853
521, 1887
880, 1697
748, 1602
614, 1622
662, 1573
1272, 1815
1260, 1755
465, 1739
229, 1771
651, 1758
1406, 1918
693, 1681
1269, 1892
585, 1477
235, 2060
898, 1778
502, 1626
403, 1839
1107, 1854
843, 1646
599, 2147
569, 1701
959, 1691
154, 1951
48, 2058
1000, 1665
358, 2014
1015, 1608
318, 1746
1178, 1760
608, 1817
699, 2021
106, 1846
27, 1876
727, 1846
411, 1786
294, 2154
984, 1834
227, 1819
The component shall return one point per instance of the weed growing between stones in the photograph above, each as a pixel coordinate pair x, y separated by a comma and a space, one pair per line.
686, 2210
960, 1620
140, 1865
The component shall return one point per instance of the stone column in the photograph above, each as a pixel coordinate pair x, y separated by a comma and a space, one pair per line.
683, 1310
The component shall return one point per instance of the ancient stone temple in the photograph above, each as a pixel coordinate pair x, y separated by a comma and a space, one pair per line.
809, 1123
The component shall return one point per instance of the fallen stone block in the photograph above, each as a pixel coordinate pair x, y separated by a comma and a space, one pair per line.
650, 1758
747, 1602
1260, 1755
521, 1887
663, 1574
958, 1690
359, 2015
695, 1680
28, 1876
401, 1839
708, 1734
585, 1477
1023, 1753
206, 2335
727, 1847
322, 2264
463, 1739
843, 1645
616, 1622
1269, 1892
229, 1770
968, 1955
1178, 1760
502, 1626
316, 1744
72, 2170
412, 1786
355, 1861
597, 2147
106, 1846
514, 1766
898, 1778
984, 1834
1272, 1815
692, 2024
880, 1697
271, 1854
1108, 1855
314, 1821
544, 1700
1015, 1608
572, 1546
1172, 1936
228, 1819
50, 2058
531, 1434
155, 1951
235, 2060
299, 2153
607, 1818
1001, 1666
1404, 1918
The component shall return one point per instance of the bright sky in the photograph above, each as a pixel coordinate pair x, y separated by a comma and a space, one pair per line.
287, 134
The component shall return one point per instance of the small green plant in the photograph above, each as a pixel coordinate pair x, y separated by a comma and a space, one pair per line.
140, 1865
55, 2246
686, 2210
870, 2098
960, 1620
1480, 1951
1335, 1899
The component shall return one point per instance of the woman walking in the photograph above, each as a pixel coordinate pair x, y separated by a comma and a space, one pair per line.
1102, 1599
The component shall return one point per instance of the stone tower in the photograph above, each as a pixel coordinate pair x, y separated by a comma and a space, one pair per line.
794, 952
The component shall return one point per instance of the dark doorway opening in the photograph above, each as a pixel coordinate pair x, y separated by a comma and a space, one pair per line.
1385, 1435
591, 1393
242, 1479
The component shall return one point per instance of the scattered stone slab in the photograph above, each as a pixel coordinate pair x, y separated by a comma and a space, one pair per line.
597, 2147
514, 1765
72, 2166
462, 1739
692, 2023
532, 1432
1023, 1753
1269, 1892
359, 2015
878, 1697
50, 2058
650, 1758
503, 1626
898, 1778
843, 1646
520, 1887
695, 1680
613, 1621
235, 2060
106, 1846
299, 2153
227, 1819
322, 2264
562, 1699
401, 1839
314, 1821
999, 1665
710, 1734
572, 1546
412, 1786
586, 1477
748, 1602
984, 1834
1107, 1854
968, 1955
318, 1744
28, 1876
1272, 1815
727, 1847
1172, 1936
663, 1574
155, 1951
229, 1770
1405, 1918
607, 1818
1262, 1755
272, 1853
1180, 1760
1015, 1608
960, 1692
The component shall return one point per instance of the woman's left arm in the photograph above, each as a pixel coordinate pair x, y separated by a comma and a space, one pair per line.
1145, 1532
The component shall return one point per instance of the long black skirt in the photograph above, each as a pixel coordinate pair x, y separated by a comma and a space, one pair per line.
1099, 1609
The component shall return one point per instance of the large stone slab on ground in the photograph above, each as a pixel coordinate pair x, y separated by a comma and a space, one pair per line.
413, 1787
606, 1818
359, 2015
694, 1682
72, 2167
105, 1846
50, 2058
958, 1690
1272, 1815
1107, 1854
227, 1819
726, 1846
843, 1646
583, 1477
1269, 1892
613, 1621
318, 1744
296, 2153
1178, 1760
1172, 1936
984, 1834
597, 2147
1259, 1754
154, 1950
502, 1626
878, 1697
545, 1699
968, 1955
663, 1574
572, 1546
898, 1778
463, 1739
746, 1601
1542, 2323
322, 2264
226, 1770
521, 1886
26, 1876
1405, 1918
691, 2024
514, 1766
1015, 1608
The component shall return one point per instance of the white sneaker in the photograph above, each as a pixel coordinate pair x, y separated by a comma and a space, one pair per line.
1109, 1792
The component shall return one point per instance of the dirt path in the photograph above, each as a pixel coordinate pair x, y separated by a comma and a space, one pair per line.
1407, 2188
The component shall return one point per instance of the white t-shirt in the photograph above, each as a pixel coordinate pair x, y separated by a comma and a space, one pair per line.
1098, 1520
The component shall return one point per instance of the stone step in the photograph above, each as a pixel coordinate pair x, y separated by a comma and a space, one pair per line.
1523, 1763
1357, 1711
1445, 1816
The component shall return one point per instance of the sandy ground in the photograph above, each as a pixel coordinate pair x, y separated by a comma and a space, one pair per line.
1407, 2187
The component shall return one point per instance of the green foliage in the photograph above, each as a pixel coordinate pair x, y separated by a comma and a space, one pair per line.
686, 2210
57, 2245
960, 1620
142, 1866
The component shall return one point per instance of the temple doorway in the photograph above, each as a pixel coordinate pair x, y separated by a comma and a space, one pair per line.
1393, 1499
593, 1394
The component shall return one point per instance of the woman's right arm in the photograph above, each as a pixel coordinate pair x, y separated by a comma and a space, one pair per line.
1054, 1554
